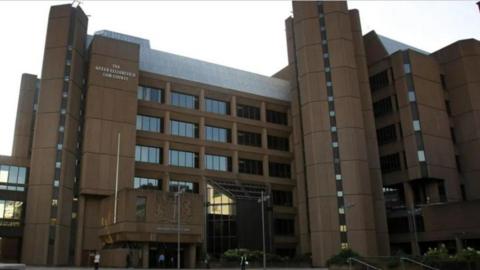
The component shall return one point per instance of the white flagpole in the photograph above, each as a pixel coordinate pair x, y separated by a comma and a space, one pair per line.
116, 181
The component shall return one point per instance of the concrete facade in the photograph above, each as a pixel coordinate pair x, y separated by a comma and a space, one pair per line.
113, 129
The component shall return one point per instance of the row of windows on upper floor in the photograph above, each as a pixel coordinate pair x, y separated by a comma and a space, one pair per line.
212, 162
280, 197
215, 134
211, 105
392, 162
13, 178
384, 78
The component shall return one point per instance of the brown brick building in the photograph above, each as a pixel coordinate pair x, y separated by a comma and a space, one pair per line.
112, 130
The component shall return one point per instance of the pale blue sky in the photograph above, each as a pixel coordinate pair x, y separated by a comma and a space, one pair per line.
245, 35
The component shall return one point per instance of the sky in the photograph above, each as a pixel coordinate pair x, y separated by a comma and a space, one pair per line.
247, 35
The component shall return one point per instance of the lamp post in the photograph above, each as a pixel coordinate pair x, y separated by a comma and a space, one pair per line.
177, 196
262, 200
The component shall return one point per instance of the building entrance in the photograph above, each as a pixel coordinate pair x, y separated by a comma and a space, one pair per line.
169, 258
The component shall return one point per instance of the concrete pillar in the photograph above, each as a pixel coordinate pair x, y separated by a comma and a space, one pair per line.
233, 106
263, 111
165, 181
264, 138
235, 162
166, 158
201, 100
265, 166
168, 91
190, 256
201, 126
201, 158
166, 122
234, 133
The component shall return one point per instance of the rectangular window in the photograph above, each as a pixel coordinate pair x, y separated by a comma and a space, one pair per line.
407, 69
217, 106
382, 107
10, 213
12, 175
416, 125
386, 135
421, 155
183, 158
184, 129
149, 123
379, 81
217, 163
278, 143
390, 163
13, 178
249, 112
411, 96
249, 138
148, 154
217, 134
147, 183
277, 117
284, 226
141, 208
279, 170
4, 169
188, 186
150, 94
282, 198
250, 166
184, 100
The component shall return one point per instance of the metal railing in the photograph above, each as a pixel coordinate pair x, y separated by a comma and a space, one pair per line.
362, 263
402, 259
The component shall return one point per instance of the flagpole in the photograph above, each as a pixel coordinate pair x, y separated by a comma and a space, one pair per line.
116, 181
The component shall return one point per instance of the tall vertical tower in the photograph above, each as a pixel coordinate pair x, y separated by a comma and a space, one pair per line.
26, 111
51, 208
339, 182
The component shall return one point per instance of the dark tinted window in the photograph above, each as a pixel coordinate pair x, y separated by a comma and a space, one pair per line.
278, 143
390, 163
386, 134
282, 197
249, 138
250, 166
379, 80
279, 169
250, 112
382, 107
284, 227
277, 117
